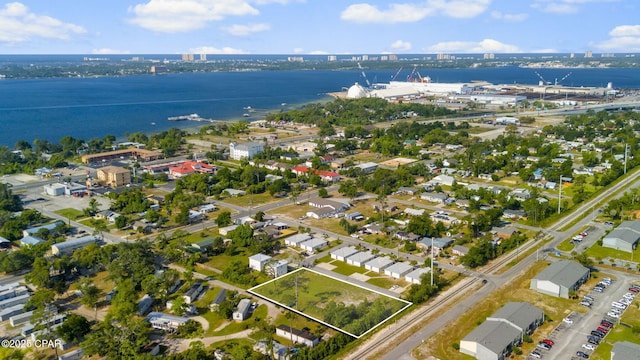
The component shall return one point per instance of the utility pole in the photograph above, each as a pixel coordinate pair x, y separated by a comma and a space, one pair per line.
625, 158
432, 269
560, 195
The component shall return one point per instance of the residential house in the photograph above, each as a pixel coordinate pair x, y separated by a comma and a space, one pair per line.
415, 276
313, 244
69, 246
378, 264
343, 253
460, 250
276, 268
166, 322
258, 261
190, 167
359, 258
398, 270
219, 299
194, 292
434, 197
304, 337
242, 311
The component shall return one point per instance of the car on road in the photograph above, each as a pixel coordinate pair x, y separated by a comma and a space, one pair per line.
582, 355
589, 346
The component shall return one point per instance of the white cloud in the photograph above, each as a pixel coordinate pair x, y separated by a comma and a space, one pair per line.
298, 50
624, 38
563, 6
186, 15
401, 45
471, 47
625, 30
406, 13
18, 24
318, 52
109, 51
509, 17
244, 30
215, 50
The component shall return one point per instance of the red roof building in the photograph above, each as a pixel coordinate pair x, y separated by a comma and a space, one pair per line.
190, 167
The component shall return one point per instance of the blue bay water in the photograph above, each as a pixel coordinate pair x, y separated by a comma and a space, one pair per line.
94, 107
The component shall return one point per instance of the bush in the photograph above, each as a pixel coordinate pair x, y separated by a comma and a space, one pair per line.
456, 346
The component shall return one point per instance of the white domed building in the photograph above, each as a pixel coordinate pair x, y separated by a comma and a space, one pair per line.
356, 92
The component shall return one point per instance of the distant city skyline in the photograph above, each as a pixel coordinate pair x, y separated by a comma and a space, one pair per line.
316, 27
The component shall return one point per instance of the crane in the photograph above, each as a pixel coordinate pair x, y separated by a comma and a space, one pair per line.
364, 75
564, 78
396, 75
541, 78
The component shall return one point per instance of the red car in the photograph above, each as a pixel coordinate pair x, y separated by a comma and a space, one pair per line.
604, 330
548, 342
634, 290
605, 325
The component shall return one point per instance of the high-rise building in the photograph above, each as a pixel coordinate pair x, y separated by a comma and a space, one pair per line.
332, 58
203, 57
588, 54
187, 57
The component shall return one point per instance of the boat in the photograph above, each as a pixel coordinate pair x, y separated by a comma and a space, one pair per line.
193, 116
246, 115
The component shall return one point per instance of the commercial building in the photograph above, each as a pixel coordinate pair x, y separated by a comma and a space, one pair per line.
133, 153
244, 151
114, 176
190, 167
560, 278
624, 237
494, 338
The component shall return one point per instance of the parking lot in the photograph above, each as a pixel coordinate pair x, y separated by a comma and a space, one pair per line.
580, 331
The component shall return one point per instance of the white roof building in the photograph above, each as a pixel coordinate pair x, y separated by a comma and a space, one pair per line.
358, 259
258, 261
343, 252
295, 240
398, 270
378, 264
414, 276
313, 244
244, 151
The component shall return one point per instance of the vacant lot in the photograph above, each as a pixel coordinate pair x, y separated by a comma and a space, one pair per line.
338, 304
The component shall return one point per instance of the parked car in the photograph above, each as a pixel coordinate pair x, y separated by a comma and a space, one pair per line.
567, 320
548, 342
589, 298
582, 355
545, 346
536, 355
585, 303
606, 325
634, 290
597, 333
613, 315
593, 340
589, 346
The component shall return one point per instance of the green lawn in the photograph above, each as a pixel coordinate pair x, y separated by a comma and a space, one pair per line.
343, 268
386, 282
311, 293
70, 213
619, 333
599, 252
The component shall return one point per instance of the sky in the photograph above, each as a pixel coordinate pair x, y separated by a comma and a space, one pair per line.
319, 26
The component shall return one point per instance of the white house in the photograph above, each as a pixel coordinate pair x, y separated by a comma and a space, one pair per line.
358, 259
343, 253
414, 276
378, 264
258, 261
242, 311
313, 244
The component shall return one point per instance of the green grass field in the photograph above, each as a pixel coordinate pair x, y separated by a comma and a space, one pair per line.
310, 294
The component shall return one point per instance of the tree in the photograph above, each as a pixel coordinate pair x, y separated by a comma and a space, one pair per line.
74, 328
90, 293
40, 273
41, 303
223, 219
121, 221
323, 193
179, 306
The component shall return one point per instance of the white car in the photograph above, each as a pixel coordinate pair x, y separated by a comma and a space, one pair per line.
568, 320
613, 315
589, 346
